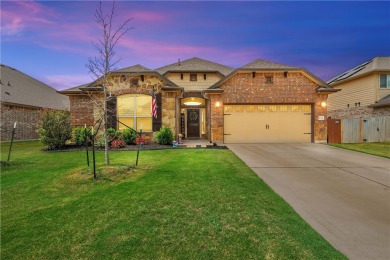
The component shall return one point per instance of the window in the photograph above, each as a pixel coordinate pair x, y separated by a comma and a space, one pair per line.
250, 109
306, 108
228, 109
273, 108
239, 109
261, 108
193, 77
134, 111
269, 79
283, 108
294, 108
123, 78
134, 82
384, 81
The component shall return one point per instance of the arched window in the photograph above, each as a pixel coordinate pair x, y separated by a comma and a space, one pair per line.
134, 111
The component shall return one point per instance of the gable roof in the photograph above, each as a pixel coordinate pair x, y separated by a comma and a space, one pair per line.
384, 102
75, 90
195, 65
133, 69
265, 65
21, 89
374, 65
260, 64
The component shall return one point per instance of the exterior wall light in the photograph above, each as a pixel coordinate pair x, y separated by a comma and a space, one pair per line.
323, 103
217, 104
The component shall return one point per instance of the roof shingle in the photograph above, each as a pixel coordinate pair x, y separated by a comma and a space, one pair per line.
19, 88
376, 64
195, 65
264, 64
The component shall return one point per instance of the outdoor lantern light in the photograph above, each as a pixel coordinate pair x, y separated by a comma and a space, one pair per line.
193, 102
323, 104
218, 104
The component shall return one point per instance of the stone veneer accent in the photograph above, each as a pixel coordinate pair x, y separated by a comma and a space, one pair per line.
359, 112
27, 119
242, 88
87, 109
168, 104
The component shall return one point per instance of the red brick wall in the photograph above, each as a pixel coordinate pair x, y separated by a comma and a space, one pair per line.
216, 118
81, 110
243, 88
26, 118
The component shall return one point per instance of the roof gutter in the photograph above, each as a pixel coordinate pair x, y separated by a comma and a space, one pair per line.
171, 88
90, 89
328, 90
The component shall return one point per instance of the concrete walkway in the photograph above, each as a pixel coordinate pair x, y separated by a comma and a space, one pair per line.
196, 143
344, 195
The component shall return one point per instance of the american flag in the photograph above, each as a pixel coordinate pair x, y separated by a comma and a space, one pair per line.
154, 105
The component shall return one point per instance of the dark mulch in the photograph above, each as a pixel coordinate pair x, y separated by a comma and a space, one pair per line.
150, 146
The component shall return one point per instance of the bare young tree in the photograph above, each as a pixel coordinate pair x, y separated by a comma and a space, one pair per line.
101, 65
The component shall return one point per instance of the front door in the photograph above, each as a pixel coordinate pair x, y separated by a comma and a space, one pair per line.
193, 123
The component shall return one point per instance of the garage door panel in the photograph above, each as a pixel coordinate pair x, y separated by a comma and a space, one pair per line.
267, 123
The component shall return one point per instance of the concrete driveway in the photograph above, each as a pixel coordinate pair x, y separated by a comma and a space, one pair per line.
344, 195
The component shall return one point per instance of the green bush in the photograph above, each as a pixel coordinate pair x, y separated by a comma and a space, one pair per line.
81, 135
99, 141
165, 135
129, 136
54, 128
113, 134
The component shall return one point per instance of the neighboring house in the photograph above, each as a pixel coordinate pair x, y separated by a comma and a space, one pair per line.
21, 99
262, 101
365, 91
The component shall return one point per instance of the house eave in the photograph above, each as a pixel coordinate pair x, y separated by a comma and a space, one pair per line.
172, 88
328, 90
92, 89
379, 105
213, 91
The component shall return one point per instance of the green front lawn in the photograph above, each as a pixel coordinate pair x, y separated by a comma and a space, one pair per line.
187, 203
379, 149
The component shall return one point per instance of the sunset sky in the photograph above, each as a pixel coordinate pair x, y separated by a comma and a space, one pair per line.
51, 40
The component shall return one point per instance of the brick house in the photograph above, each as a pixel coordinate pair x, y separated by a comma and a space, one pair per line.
21, 99
365, 91
262, 101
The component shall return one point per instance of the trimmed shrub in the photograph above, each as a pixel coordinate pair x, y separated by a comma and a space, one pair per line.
165, 135
100, 141
140, 141
129, 136
112, 135
54, 128
82, 135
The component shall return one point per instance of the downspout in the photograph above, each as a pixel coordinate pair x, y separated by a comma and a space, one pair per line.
178, 112
208, 117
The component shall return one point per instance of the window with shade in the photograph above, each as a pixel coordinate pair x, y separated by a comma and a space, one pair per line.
384, 81
134, 110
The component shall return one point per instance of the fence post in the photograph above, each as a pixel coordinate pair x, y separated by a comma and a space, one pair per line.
12, 140
139, 145
86, 143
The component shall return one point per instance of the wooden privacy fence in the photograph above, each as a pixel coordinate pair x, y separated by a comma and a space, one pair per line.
358, 130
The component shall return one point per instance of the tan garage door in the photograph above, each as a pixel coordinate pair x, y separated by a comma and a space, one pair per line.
267, 123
